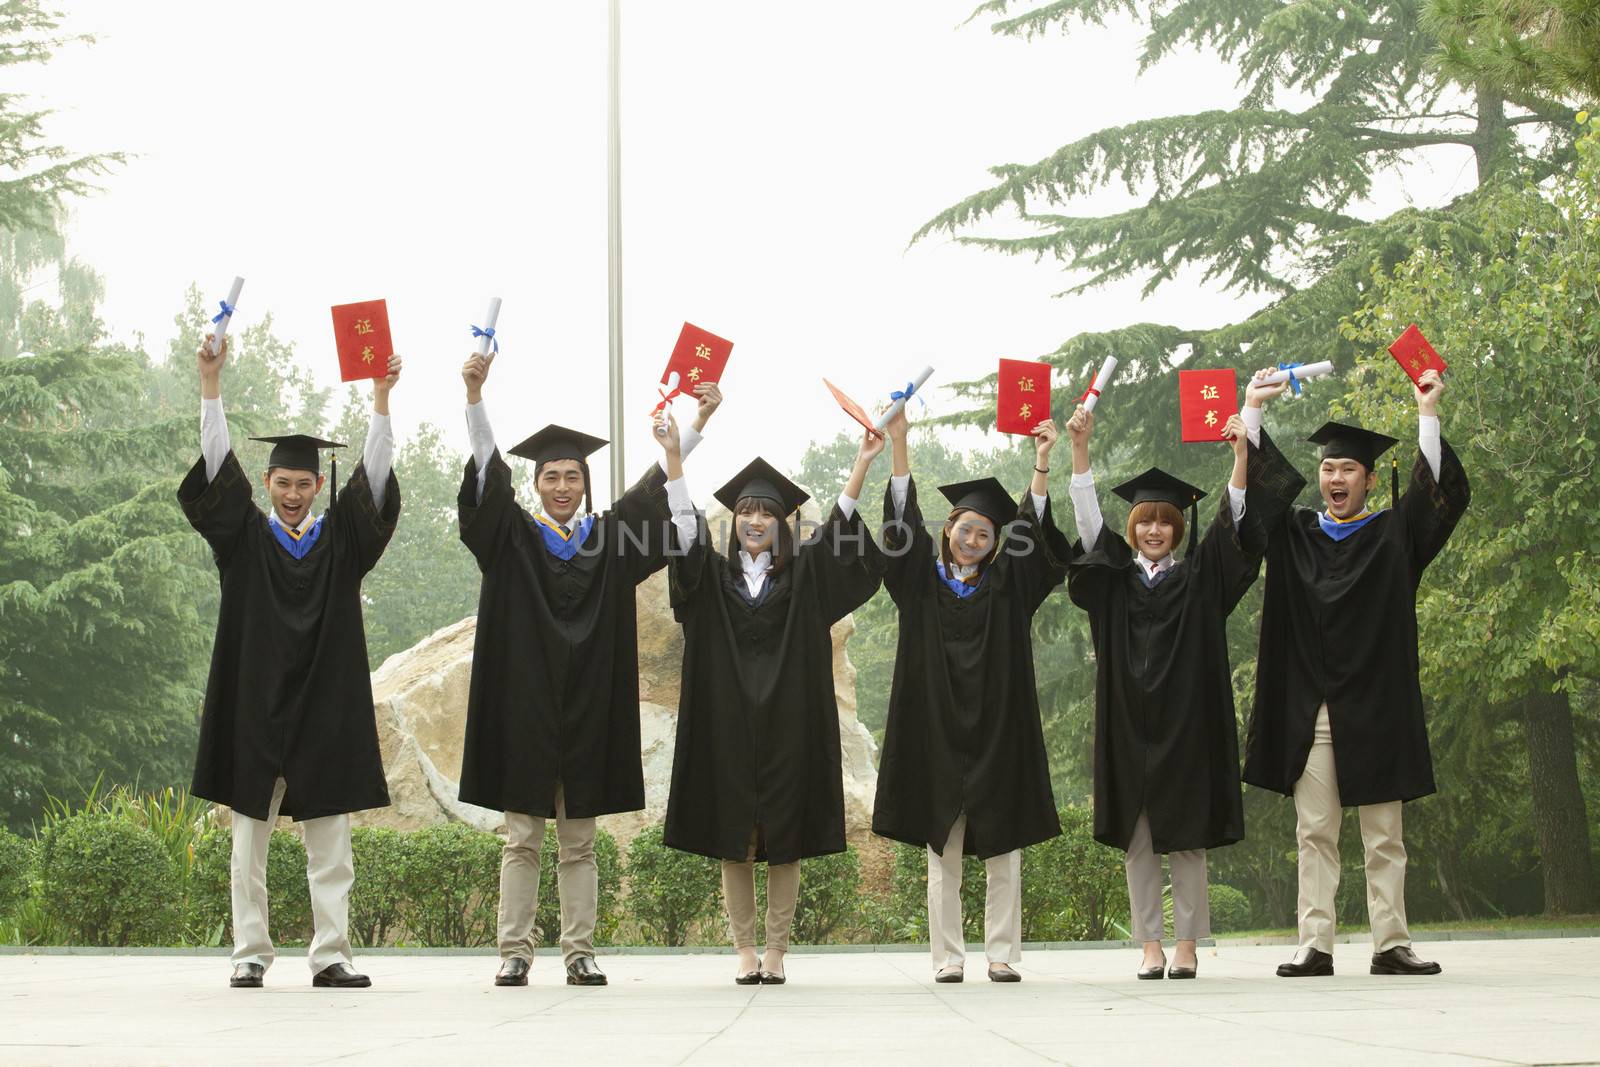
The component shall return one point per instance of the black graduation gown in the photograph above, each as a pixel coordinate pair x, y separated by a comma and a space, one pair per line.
1165, 738
555, 664
963, 732
289, 695
1339, 624
758, 723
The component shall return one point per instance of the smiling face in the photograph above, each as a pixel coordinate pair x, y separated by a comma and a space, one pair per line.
756, 525
1154, 529
292, 492
1345, 484
971, 538
560, 486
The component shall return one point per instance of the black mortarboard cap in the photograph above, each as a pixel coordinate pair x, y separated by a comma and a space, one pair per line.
297, 451
986, 496
1157, 486
762, 481
558, 442
1339, 441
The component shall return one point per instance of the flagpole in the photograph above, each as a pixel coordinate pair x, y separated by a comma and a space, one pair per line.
614, 237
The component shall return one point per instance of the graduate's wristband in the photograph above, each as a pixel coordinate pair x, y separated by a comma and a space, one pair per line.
1041, 470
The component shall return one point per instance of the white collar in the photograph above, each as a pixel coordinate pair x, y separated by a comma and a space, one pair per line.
1165, 563
962, 571
755, 565
305, 523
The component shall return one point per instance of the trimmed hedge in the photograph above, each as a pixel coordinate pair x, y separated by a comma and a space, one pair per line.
16, 871
451, 875
669, 892
1230, 909
106, 882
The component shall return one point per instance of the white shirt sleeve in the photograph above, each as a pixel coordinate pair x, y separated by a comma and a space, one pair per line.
683, 513
1236, 502
847, 504
214, 445
1251, 417
378, 457
1038, 504
899, 489
688, 439
481, 438
1086, 508
1428, 441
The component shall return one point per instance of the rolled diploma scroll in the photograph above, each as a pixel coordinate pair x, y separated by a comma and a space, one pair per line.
894, 409
490, 317
668, 391
1310, 370
1101, 380
221, 328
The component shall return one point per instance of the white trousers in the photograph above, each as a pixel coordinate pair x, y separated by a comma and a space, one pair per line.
1318, 814
1191, 906
1002, 916
577, 883
330, 870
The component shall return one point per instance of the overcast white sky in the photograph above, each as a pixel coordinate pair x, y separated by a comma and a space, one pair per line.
777, 158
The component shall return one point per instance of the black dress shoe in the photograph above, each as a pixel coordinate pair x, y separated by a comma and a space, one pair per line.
1307, 963
339, 976
1004, 973
948, 977
1150, 974
513, 971
748, 978
773, 978
1401, 960
1175, 972
583, 971
247, 976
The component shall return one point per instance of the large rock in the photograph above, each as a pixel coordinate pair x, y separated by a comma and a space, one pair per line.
421, 700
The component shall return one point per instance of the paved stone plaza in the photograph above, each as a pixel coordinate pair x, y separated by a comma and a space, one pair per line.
1498, 1002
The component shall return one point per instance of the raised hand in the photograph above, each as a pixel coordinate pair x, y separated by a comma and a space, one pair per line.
1427, 391
475, 371
210, 365
1080, 426
1234, 432
1045, 436
710, 397
1258, 391
381, 386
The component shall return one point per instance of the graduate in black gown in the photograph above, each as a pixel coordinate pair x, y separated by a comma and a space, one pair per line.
964, 769
1338, 718
288, 726
553, 708
756, 770
1166, 749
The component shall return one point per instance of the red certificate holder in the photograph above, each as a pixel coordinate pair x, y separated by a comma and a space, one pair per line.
1024, 396
361, 332
1207, 399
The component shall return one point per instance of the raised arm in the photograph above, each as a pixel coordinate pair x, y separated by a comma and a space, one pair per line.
378, 455
475, 372
1085, 501
870, 449
214, 442
1438, 493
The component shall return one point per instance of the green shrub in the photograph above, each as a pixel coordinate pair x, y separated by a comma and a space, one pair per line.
1230, 909
669, 892
16, 872
1073, 887
378, 896
608, 913
209, 908
452, 885
105, 881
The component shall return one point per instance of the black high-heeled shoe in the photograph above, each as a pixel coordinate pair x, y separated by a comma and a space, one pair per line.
1150, 974
748, 978
1176, 972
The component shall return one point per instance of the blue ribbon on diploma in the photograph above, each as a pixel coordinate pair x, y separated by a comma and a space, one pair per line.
489, 333
1294, 382
226, 312
907, 393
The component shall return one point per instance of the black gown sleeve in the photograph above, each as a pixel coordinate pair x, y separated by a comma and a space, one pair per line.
218, 509
1432, 507
689, 574
908, 548
1091, 574
1271, 486
362, 528
1035, 553
1228, 558
485, 525
644, 518
844, 562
